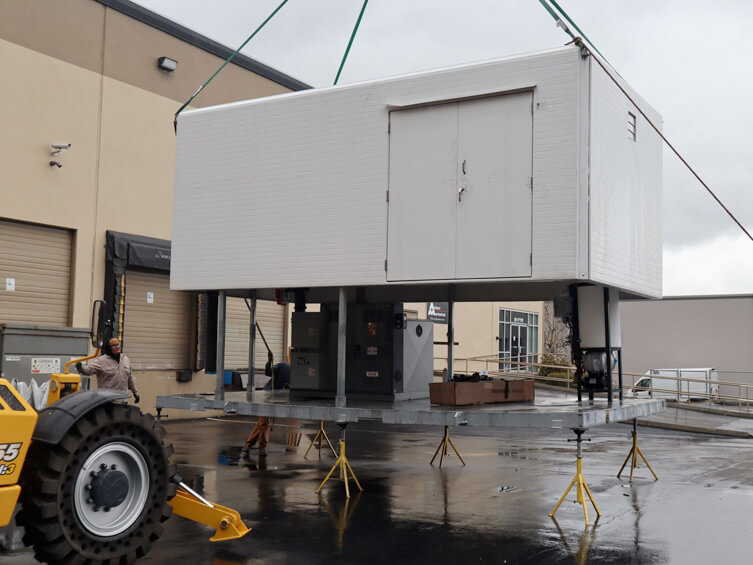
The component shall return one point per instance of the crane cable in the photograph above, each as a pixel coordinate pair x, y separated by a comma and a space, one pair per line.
350, 43
250, 37
580, 43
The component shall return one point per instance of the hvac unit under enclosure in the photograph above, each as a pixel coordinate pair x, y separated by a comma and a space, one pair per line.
507, 179
387, 356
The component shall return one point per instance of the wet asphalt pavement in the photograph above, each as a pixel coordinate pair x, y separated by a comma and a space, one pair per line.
494, 510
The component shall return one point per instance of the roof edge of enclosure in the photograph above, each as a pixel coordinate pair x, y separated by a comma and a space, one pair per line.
510, 177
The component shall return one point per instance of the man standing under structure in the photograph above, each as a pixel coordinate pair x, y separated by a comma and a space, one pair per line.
112, 369
280, 378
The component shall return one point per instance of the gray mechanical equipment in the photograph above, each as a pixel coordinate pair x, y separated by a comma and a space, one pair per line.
388, 356
28, 352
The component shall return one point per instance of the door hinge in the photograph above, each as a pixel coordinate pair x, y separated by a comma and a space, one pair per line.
530, 259
530, 183
385, 264
388, 196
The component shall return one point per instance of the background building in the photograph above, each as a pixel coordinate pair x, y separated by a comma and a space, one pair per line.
94, 221
690, 331
507, 329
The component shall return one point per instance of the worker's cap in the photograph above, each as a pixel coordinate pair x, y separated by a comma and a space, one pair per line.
113, 341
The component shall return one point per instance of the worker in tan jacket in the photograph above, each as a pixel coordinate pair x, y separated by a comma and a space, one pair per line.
113, 370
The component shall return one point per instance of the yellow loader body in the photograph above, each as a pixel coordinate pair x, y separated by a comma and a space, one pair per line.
17, 421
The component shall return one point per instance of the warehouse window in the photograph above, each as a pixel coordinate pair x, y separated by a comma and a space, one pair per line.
631, 126
518, 339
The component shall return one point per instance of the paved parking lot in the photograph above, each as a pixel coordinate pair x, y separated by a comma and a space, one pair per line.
493, 510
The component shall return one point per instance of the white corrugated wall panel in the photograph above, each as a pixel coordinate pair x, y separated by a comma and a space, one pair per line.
626, 192
271, 318
295, 185
35, 274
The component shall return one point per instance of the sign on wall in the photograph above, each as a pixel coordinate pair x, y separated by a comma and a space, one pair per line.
519, 318
438, 312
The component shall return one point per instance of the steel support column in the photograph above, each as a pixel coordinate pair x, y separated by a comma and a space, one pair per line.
219, 392
342, 317
450, 334
608, 345
250, 385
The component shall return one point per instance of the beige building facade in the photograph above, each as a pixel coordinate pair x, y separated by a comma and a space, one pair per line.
85, 73
486, 329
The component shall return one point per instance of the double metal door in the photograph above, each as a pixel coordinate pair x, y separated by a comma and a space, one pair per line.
460, 190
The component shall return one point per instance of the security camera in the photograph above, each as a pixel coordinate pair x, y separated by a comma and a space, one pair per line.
55, 164
58, 147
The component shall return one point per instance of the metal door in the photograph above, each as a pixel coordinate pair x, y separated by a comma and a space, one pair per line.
518, 347
494, 210
157, 329
460, 203
422, 184
523, 347
35, 274
514, 345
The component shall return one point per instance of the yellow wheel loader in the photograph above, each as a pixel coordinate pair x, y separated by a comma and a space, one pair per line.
93, 475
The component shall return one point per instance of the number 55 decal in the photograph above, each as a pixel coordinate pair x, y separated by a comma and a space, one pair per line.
8, 452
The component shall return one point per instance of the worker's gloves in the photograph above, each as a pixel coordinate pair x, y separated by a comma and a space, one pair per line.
136, 397
79, 367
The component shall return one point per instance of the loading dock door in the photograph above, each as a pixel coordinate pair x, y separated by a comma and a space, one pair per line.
158, 322
460, 203
35, 274
270, 316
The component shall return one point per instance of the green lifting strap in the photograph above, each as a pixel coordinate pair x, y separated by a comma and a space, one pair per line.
352, 37
572, 23
250, 37
552, 13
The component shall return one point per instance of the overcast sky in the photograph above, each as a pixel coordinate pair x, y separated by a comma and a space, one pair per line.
690, 59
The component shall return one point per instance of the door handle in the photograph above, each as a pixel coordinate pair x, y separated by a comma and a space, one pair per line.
461, 190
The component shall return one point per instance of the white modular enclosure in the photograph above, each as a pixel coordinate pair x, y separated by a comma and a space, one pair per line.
531, 171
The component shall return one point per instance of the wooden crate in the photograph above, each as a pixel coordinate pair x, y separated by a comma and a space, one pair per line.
482, 392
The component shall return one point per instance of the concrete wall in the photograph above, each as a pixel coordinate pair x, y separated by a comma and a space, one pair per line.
690, 332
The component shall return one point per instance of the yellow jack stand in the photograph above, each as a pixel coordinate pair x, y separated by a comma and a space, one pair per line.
342, 463
634, 453
320, 434
579, 481
443, 448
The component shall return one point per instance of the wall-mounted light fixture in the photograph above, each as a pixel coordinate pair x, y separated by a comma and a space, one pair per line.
167, 64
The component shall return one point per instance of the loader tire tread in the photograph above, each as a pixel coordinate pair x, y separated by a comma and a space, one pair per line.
48, 513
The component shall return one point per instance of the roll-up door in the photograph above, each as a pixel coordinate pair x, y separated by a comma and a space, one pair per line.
158, 322
35, 274
269, 315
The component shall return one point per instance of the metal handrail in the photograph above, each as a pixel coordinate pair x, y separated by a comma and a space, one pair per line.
518, 362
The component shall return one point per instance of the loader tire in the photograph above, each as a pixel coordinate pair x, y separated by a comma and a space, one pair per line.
114, 455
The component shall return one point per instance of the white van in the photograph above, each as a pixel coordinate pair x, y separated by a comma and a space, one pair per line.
702, 384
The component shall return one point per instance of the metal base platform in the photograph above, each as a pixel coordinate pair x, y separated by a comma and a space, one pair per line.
548, 412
